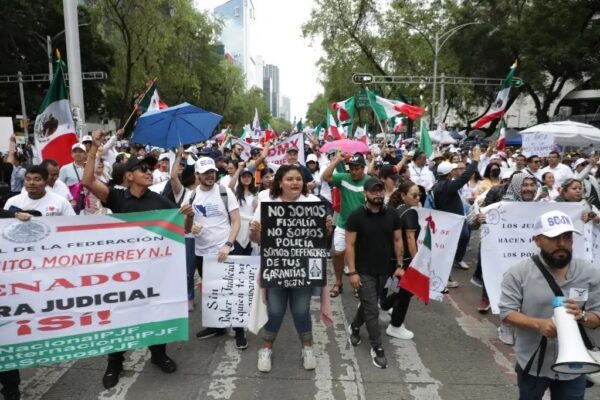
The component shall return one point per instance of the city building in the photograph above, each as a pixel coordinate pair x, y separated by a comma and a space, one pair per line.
271, 87
238, 17
285, 108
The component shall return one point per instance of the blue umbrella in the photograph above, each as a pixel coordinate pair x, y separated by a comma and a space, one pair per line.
182, 124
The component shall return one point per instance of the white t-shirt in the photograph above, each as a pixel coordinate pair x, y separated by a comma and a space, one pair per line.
210, 212
159, 176
301, 199
421, 176
59, 188
68, 175
561, 173
51, 204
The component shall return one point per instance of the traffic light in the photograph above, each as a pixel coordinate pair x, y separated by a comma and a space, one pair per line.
362, 79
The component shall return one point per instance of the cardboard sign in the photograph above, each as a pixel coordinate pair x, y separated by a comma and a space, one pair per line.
537, 144
294, 244
6, 131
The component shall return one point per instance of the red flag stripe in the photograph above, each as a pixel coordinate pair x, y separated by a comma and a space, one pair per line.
416, 283
115, 225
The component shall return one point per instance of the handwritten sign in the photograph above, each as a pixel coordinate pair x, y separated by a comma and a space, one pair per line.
538, 144
227, 291
294, 245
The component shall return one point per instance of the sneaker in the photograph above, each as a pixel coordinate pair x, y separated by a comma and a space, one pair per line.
111, 375
378, 357
165, 363
484, 305
461, 265
475, 280
354, 335
308, 358
210, 332
264, 360
506, 334
399, 332
241, 343
452, 284
390, 311
190, 305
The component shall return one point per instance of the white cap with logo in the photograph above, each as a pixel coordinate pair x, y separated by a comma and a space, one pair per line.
445, 168
553, 224
205, 164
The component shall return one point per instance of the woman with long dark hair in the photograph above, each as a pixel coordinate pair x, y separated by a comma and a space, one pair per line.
288, 186
406, 200
243, 185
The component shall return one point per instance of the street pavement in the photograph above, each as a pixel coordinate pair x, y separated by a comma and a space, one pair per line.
455, 355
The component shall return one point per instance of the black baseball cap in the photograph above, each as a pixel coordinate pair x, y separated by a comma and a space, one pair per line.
357, 159
255, 151
135, 161
373, 183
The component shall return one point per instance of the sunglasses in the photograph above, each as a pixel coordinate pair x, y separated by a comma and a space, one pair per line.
143, 168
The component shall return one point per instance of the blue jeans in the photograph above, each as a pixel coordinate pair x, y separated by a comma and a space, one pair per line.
277, 301
532, 387
190, 263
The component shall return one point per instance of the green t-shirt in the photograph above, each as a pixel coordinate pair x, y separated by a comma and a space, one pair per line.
351, 193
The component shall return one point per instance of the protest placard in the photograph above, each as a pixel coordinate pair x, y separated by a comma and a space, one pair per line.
537, 144
83, 286
227, 290
507, 238
294, 244
6, 131
443, 246
277, 151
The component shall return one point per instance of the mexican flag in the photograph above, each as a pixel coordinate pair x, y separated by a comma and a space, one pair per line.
500, 135
247, 134
386, 109
319, 132
399, 123
416, 277
425, 140
54, 130
499, 107
345, 110
150, 101
362, 135
332, 127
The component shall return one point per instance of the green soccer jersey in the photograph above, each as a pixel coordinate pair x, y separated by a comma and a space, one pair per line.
351, 193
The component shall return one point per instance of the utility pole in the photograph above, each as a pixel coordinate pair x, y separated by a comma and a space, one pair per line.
74, 60
23, 109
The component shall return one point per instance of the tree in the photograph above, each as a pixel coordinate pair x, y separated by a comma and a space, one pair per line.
280, 125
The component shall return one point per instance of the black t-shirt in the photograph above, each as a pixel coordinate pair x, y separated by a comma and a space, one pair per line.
409, 219
122, 201
374, 247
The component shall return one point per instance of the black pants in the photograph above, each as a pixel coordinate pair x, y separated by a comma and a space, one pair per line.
157, 351
399, 301
10, 381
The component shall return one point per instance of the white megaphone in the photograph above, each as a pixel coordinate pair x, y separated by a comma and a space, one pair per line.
573, 357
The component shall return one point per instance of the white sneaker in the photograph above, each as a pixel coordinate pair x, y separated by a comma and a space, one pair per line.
400, 332
308, 358
452, 284
264, 360
390, 311
462, 265
506, 334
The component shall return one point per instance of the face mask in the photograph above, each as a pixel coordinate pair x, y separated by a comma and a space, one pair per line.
495, 173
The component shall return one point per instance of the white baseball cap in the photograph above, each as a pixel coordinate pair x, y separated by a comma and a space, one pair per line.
445, 168
191, 150
78, 146
579, 162
554, 223
86, 138
163, 156
205, 164
311, 157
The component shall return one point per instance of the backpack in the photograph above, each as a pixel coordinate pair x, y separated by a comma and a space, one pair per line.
430, 200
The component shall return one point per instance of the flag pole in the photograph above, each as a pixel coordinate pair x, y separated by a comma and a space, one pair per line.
137, 101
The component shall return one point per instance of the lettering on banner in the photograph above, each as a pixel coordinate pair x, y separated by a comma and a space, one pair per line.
539, 144
294, 245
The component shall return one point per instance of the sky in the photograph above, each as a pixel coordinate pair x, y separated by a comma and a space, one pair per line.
279, 41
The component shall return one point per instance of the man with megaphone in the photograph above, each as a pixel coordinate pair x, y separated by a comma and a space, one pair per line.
528, 301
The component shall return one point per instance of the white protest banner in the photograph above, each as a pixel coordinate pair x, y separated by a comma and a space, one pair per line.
537, 144
83, 286
6, 131
507, 238
595, 244
443, 246
227, 290
277, 151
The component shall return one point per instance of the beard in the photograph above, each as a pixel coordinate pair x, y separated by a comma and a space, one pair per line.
557, 259
375, 201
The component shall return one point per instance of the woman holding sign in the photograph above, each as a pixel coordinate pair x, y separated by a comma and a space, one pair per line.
288, 186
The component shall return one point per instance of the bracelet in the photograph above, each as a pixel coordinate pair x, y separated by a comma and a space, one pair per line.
229, 244
352, 273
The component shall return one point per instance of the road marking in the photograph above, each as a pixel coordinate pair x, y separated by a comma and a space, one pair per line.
222, 383
323, 374
44, 378
136, 363
419, 382
486, 332
352, 381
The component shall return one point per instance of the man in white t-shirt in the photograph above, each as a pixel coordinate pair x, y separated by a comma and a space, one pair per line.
215, 226
420, 173
37, 199
72, 173
560, 171
54, 184
161, 173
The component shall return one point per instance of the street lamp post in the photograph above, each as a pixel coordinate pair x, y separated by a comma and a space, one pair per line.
440, 40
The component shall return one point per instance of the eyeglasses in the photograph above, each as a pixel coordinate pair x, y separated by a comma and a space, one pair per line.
143, 168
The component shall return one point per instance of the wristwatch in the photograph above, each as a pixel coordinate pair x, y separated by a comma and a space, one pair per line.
229, 244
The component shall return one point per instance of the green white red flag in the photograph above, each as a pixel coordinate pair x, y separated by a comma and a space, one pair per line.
345, 110
150, 100
54, 130
332, 127
386, 109
416, 276
425, 140
500, 135
362, 135
499, 107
